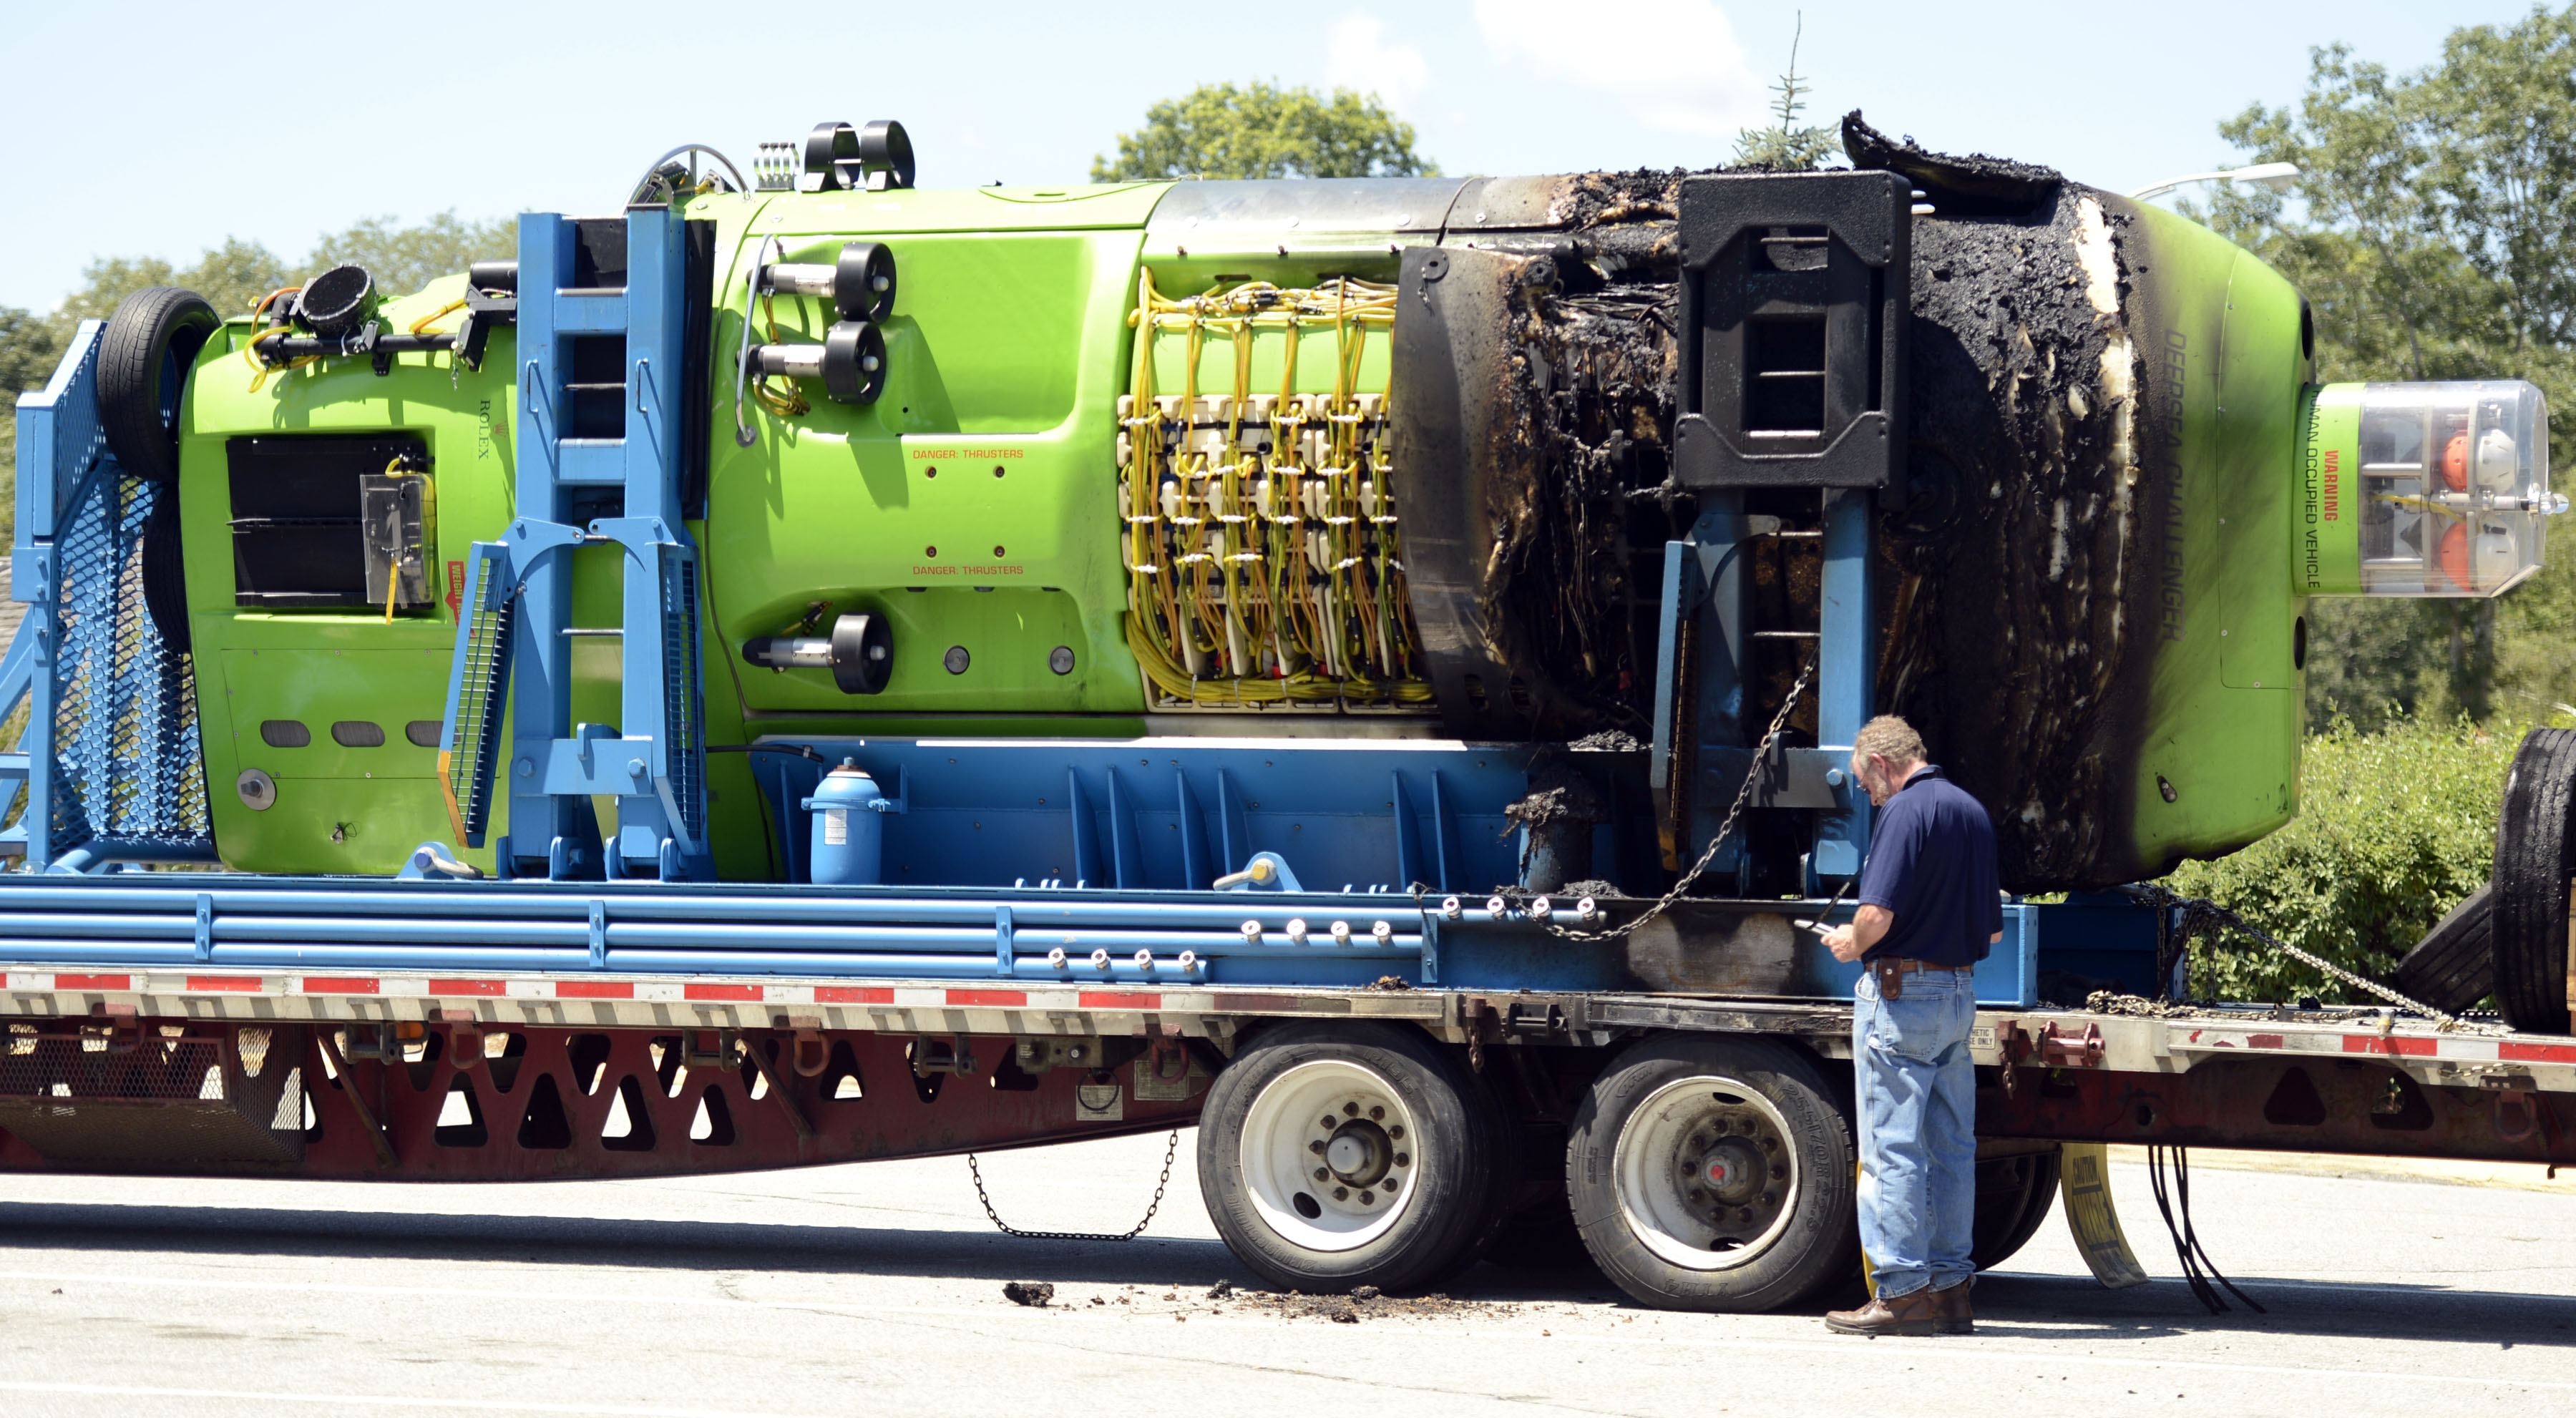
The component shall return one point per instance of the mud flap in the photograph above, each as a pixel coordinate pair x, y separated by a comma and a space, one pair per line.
2085, 1184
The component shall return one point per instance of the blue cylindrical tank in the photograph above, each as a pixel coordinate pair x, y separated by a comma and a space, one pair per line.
849, 832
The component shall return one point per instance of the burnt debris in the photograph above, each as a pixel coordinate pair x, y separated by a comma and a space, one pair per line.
1541, 372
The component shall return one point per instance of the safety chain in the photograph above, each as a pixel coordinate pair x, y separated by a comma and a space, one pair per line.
2199, 914
1743, 795
1169, 1152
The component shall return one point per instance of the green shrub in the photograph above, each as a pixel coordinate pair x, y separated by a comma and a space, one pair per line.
2394, 828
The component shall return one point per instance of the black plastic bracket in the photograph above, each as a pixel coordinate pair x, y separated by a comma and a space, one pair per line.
1795, 304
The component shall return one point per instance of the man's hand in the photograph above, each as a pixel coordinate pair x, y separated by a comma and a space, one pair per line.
1868, 927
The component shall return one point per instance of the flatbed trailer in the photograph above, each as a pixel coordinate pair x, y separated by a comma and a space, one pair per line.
149, 1041
1060, 937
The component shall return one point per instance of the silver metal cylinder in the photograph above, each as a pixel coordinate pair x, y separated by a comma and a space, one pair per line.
790, 361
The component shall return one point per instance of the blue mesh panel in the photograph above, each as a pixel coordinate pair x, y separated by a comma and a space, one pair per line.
128, 763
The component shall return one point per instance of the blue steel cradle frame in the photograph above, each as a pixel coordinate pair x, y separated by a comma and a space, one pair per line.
654, 761
109, 765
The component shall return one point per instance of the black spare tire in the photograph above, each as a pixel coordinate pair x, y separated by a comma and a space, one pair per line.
144, 356
2535, 856
2453, 966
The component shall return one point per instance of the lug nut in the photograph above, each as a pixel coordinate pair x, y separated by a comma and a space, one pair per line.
1329, 1123
1396, 1132
1377, 1114
1402, 1159
1389, 1184
1697, 1196
1368, 1198
1341, 1193
1322, 1176
1350, 1110
1316, 1147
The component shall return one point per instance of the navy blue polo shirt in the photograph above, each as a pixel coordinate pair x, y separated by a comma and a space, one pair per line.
1932, 863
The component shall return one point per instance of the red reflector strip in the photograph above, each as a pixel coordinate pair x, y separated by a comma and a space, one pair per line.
2389, 1045
1105, 999
593, 989
2511, 1051
988, 997
93, 982
485, 988
211, 984
323, 985
853, 994
750, 993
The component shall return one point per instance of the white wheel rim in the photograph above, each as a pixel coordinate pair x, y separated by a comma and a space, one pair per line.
1370, 1154
1707, 1175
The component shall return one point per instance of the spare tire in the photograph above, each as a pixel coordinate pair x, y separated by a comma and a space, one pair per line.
144, 356
2535, 856
2453, 967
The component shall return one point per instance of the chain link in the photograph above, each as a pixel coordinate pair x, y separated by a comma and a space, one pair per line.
1170, 1150
2199, 915
1743, 795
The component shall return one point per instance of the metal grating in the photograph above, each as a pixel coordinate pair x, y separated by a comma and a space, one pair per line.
683, 714
128, 765
478, 693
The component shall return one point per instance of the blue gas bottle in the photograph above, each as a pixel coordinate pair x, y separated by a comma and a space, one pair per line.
849, 832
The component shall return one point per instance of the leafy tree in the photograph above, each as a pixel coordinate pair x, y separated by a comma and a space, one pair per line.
233, 277
1261, 130
2432, 246
1784, 146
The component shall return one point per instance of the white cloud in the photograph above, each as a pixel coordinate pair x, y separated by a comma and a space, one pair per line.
1358, 57
1674, 65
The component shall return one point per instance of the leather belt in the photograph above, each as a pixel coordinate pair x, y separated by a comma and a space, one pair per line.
1891, 973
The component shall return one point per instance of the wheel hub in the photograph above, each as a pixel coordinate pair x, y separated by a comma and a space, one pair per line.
1329, 1152
1706, 1175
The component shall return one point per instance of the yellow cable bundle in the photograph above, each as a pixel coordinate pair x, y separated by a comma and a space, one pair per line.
1290, 553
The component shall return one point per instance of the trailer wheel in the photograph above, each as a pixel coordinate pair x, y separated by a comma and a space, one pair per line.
1716, 1174
2453, 967
2535, 856
1339, 1155
2014, 1195
144, 356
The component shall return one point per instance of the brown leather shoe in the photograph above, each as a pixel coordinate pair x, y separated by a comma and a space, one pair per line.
1909, 1313
1951, 1312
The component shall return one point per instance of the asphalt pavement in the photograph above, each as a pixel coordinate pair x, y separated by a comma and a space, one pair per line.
878, 1289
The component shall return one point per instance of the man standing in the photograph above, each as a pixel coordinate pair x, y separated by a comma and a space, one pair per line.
1929, 910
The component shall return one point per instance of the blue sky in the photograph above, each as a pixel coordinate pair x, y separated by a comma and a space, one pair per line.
158, 129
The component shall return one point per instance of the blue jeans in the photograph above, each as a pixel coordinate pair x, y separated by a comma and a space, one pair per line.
1918, 1130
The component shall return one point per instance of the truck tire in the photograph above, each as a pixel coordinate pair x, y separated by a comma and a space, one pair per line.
2014, 1195
1405, 1140
2535, 856
144, 356
1716, 1174
2453, 966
